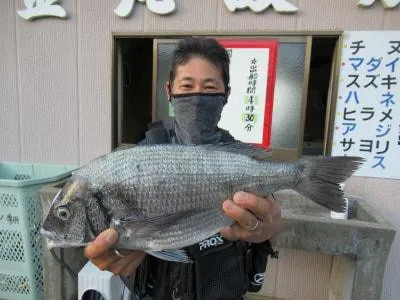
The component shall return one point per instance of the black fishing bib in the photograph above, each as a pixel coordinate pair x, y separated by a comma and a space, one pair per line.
221, 269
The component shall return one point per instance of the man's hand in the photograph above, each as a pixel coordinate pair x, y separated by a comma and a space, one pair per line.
258, 219
101, 253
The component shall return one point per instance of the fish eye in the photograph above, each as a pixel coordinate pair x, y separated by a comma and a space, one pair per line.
63, 213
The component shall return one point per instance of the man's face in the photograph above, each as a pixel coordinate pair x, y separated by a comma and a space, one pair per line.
198, 75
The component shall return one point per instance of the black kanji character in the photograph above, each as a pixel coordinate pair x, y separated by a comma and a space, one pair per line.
347, 144
386, 115
389, 81
252, 82
367, 144
345, 113
357, 45
355, 76
395, 48
12, 219
250, 108
249, 127
251, 90
368, 111
383, 151
372, 82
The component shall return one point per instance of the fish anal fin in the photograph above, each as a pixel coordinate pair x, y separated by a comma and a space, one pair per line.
178, 255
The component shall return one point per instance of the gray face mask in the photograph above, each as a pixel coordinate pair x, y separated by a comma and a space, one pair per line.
197, 116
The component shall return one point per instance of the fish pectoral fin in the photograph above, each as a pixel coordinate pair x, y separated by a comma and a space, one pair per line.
242, 148
147, 226
178, 255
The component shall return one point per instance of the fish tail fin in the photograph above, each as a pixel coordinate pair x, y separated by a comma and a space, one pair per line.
320, 179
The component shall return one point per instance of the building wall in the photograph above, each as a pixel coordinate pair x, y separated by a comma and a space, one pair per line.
56, 90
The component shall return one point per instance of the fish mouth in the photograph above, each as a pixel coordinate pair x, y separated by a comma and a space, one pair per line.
52, 241
47, 234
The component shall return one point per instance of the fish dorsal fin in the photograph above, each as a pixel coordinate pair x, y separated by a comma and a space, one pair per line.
243, 148
178, 255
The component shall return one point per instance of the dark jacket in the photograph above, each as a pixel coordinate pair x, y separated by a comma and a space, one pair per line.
221, 269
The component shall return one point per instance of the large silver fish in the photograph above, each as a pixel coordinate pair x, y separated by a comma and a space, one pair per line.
161, 198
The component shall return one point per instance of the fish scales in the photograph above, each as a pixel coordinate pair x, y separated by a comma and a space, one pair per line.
188, 183
178, 236
182, 180
165, 197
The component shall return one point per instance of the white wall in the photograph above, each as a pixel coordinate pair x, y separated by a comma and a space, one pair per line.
55, 94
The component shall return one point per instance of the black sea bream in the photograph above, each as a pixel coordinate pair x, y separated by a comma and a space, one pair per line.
161, 198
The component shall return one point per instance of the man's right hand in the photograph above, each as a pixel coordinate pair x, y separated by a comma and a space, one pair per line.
101, 253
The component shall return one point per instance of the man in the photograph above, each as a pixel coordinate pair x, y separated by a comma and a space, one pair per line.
226, 265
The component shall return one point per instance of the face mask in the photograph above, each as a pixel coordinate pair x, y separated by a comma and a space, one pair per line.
197, 116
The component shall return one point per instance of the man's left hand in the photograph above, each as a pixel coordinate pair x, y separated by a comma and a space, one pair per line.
257, 219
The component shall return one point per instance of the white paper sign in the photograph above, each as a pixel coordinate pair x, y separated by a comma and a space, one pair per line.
367, 120
243, 115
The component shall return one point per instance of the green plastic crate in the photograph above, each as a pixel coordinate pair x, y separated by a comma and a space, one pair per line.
21, 256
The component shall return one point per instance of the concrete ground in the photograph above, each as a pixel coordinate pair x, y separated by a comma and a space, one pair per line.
251, 296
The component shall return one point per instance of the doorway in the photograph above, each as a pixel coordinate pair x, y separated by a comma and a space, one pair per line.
141, 69
318, 95
133, 85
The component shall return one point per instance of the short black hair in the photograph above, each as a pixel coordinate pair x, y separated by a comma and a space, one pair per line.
206, 48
